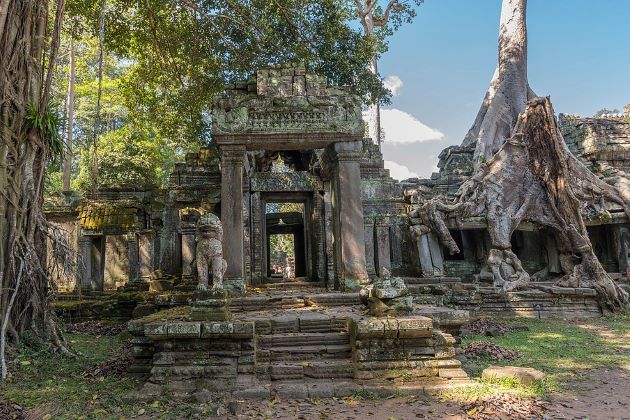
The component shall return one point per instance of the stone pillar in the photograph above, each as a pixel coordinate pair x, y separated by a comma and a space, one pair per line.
553, 257
134, 258
232, 216
188, 252
329, 250
396, 245
85, 263
319, 235
370, 263
621, 248
146, 255
257, 237
383, 249
348, 208
430, 253
156, 247
170, 257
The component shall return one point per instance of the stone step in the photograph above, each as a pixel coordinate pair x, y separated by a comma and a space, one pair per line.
302, 339
431, 280
310, 322
334, 299
301, 300
304, 352
330, 369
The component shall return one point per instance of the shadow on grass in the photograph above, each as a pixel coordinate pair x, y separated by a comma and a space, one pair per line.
564, 351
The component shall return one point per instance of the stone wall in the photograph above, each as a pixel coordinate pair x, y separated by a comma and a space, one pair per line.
404, 347
177, 356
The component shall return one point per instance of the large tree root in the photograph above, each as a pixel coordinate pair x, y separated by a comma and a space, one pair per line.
533, 177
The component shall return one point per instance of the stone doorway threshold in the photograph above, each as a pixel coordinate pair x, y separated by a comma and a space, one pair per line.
284, 284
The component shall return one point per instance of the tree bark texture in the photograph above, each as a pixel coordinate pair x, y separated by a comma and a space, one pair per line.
524, 172
533, 177
508, 90
24, 83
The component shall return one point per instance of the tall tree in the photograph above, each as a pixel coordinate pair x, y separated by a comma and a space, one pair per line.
525, 173
29, 136
186, 50
509, 88
67, 160
378, 22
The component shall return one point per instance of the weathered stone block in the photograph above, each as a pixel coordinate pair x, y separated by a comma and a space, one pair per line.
184, 330
243, 329
368, 328
415, 323
287, 371
453, 374
217, 329
525, 375
156, 331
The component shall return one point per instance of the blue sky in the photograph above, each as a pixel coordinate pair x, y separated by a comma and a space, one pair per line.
578, 53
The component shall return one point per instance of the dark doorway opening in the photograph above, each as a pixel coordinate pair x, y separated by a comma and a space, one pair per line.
285, 237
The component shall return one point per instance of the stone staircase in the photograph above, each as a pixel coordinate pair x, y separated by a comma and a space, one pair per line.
316, 348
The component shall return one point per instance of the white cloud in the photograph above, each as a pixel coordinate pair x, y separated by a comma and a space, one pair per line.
401, 127
398, 171
393, 83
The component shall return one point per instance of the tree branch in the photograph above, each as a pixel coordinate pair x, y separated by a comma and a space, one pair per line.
383, 21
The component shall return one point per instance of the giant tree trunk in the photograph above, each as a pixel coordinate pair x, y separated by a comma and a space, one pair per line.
524, 172
24, 85
509, 88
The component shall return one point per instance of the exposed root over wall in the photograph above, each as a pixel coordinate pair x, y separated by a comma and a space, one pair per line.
533, 177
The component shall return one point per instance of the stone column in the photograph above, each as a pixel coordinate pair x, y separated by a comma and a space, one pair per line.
169, 247
370, 262
146, 257
134, 260
621, 248
329, 250
383, 249
188, 252
85, 263
232, 216
348, 209
430, 253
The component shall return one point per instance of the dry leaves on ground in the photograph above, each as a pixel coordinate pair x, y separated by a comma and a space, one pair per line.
11, 411
491, 351
481, 326
95, 328
115, 366
505, 406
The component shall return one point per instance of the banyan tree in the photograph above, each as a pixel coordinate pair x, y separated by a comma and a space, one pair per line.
524, 172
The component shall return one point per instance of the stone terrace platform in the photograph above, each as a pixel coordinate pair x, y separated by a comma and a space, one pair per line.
436, 296
297, 344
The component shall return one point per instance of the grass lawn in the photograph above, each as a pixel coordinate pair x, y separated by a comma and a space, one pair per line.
564, 350
57, 387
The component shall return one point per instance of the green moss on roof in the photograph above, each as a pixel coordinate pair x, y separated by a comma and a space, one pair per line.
109, 215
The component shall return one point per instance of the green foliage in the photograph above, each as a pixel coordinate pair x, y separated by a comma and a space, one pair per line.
281, 244
47, 124
128, 158
164, 60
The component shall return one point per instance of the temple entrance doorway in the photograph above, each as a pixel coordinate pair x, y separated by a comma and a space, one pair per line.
286, 242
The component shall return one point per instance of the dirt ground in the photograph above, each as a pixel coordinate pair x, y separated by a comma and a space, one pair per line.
605, 394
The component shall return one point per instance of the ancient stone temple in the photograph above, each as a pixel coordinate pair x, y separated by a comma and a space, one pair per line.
282, 137
258, 263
